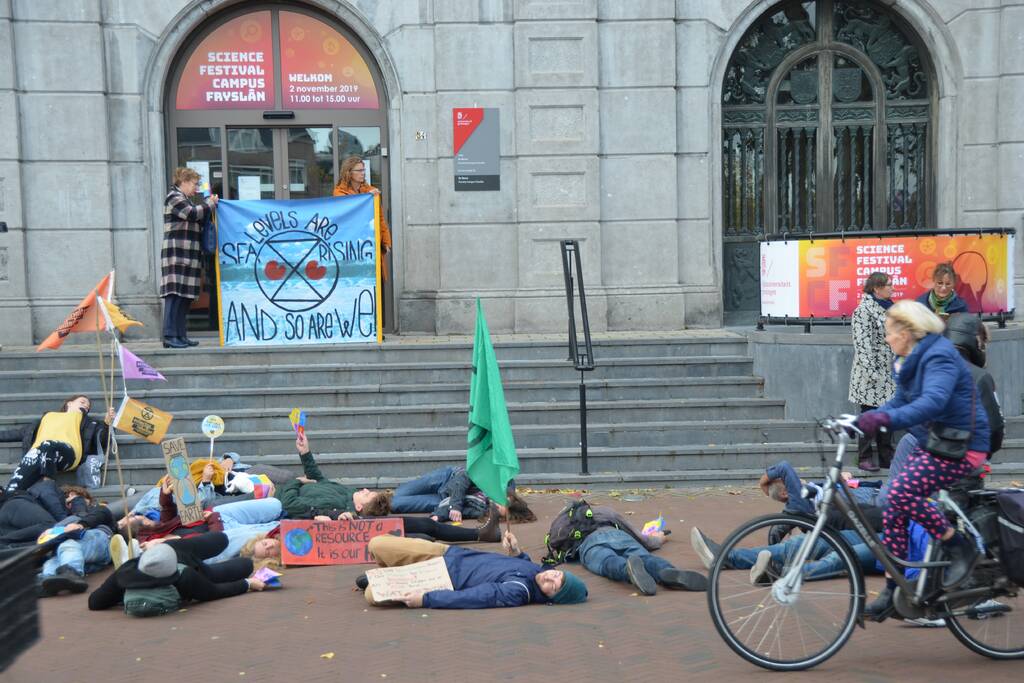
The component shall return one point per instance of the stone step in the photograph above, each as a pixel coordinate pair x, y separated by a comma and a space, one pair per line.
341, 374
675, 465
455, 415
374, 395
84, 357
637, 434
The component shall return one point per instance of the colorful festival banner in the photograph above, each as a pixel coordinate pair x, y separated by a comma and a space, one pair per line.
298, 272
824, 277
307, 541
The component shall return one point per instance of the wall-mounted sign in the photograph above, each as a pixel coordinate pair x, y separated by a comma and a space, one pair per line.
232, 68
476, 148
320, 69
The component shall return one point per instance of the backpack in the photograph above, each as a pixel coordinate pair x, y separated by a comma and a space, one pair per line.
1011, 534
568, 530
152, 602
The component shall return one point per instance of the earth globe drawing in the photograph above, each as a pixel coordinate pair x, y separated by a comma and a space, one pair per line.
178, 467
298, 542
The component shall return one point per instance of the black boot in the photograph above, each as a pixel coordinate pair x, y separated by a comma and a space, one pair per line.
882, 607
490, 530
638, 576
174, 343
962, 553
362, 582
66, 579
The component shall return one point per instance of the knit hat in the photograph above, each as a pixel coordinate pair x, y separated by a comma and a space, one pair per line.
160, 561
235, 457
573, 590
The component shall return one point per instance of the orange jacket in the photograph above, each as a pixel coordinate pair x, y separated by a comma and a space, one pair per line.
342, 189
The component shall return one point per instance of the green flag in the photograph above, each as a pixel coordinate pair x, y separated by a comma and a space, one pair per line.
491, 456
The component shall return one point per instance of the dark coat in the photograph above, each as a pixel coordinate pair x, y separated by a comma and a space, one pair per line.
322, 497
934, 385
482, 579
181, 253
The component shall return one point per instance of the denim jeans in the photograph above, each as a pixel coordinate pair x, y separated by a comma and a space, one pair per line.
243, 521
151, 499
421, 494
87, 555
605, 551
823, 564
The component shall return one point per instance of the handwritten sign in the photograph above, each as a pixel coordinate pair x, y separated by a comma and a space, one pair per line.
185, 494
306, 541
391, 583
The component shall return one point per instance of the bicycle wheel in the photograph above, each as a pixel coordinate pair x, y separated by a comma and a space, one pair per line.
991, 625
765, 626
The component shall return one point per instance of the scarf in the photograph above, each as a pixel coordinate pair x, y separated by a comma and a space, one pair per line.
939, 305
884, 303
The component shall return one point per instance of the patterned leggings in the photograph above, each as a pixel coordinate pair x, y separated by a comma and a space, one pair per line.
923, 475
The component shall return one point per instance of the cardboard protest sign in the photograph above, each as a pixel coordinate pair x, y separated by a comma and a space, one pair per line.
142, 419
185, 494
306, 541
391, 583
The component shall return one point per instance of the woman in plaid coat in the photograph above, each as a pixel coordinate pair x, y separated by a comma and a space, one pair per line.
180, 265
871, 380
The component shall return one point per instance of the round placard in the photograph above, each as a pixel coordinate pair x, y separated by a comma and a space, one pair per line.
213, 426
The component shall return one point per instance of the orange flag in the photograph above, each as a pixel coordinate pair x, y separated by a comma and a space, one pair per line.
85, 317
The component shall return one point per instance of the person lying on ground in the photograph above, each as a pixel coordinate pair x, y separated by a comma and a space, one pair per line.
314, 495
169, 523
479, 579
81, 548
447, 493
57, 442
180, 563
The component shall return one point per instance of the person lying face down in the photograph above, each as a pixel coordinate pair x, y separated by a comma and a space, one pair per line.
479, 579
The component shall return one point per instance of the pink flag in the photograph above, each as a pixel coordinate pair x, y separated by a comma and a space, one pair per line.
134, 367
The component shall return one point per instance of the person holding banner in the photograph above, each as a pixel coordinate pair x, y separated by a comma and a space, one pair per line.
57, 442
942, 298
871, 381
352, 180
181, 255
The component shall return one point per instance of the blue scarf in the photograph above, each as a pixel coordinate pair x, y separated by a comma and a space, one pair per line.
884, 303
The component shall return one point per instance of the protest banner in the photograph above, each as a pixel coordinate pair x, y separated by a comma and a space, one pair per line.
185, 494
824, 277
307, 541
298, 272
389, 584
142, 419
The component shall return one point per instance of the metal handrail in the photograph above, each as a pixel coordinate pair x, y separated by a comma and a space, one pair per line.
583, 361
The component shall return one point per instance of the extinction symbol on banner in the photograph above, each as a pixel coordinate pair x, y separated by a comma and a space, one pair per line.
185, 494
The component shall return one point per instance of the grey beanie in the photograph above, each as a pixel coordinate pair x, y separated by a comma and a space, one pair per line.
160, 561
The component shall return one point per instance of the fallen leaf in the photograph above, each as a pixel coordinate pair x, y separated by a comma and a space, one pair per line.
424, 615
214, 637
327, 655
138, 659
61, 638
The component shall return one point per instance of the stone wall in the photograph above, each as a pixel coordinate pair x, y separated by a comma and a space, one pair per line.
610, 132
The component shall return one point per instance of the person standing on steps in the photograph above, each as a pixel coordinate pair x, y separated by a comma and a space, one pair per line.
871, 381
181, 255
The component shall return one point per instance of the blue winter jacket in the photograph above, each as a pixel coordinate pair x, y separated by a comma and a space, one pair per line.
956, 305
934, 385
482, 579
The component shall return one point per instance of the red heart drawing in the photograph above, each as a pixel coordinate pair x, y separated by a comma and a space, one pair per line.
274, 270
315, 271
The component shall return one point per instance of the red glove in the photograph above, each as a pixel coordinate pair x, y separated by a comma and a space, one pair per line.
871, 421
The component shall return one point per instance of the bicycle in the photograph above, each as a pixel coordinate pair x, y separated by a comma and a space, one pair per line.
784, 625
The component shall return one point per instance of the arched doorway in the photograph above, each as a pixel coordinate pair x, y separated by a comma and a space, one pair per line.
270, 99
828, 119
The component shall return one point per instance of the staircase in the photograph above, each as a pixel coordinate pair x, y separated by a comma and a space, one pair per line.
661, 409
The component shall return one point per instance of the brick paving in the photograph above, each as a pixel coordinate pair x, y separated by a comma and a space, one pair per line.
616, 636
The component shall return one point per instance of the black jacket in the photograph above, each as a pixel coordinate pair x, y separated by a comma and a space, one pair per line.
93, 432
987, 396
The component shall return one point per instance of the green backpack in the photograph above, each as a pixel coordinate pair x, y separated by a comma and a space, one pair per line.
152, 602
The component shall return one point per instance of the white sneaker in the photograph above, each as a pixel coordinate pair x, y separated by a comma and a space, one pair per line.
926, 623
990, 608
135, 550
759, 572
118, 550
700, 547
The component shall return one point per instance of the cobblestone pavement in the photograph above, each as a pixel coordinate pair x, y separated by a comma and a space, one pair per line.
291, 634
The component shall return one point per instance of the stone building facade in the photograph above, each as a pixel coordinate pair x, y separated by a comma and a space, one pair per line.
611, 133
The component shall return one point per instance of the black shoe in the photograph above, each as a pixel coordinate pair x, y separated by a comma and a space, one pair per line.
174, 343
882, 607
682, 580
490, 531
190, 342
362, 582
706, 549
639, 577
962, 554
66, 579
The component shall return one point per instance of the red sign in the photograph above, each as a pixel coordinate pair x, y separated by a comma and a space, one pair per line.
305, 541
232, 68
464, 121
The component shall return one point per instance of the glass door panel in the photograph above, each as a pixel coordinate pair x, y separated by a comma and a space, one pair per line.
251, 163
362, 142
202, 144
310, 163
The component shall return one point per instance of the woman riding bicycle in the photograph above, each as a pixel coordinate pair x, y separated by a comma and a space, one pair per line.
934, 390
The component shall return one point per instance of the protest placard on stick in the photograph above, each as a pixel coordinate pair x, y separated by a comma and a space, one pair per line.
185, 494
